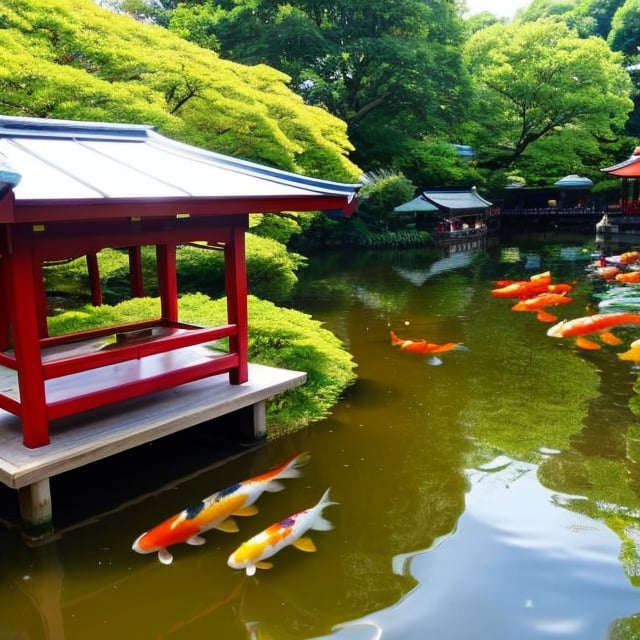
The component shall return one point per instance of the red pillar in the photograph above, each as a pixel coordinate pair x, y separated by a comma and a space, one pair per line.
5, 329
236, 286
135, 272
94, 279
167, 281
23, 310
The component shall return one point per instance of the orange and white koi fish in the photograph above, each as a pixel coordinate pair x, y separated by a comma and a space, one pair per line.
216, 511
539, 302
600, 323
251, 555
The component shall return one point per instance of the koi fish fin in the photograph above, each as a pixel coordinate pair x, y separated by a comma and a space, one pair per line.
251, 510
305, 544
164, 556
228, 526
434, 361
443, 348
195, 541
322, 524
274, 486
584, 343
264, 565
545, 316
608, 338
289, 470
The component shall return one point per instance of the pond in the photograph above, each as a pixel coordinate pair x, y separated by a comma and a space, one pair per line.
493, 493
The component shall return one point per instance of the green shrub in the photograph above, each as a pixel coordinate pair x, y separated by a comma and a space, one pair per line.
271, 272
277, 337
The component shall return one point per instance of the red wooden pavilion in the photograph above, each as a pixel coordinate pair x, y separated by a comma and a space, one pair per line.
87, 186
629, 172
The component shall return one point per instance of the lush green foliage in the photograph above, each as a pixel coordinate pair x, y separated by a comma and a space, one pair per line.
390, 70
537, 80
72, 59
271, 272
380, 193
277, 337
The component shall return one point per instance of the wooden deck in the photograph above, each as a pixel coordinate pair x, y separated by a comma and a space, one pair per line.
82, 439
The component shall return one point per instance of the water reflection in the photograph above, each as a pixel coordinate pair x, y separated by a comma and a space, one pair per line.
494, 496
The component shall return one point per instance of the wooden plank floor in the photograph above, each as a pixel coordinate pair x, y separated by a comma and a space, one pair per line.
95, 435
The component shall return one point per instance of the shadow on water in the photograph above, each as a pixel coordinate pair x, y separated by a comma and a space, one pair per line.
492, 496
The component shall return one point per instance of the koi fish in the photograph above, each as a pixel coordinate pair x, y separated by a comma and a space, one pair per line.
251, 555
537, 304
422, 347
216, 511
630, 277
600, 323
630, 257
539, 283
633, 353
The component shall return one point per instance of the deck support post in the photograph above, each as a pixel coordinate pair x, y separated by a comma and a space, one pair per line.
35, 509
260, 420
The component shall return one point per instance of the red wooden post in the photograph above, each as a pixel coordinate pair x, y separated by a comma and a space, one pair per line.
94, 279
5, 332
24, 322
236, 286
40, 294
167, 281
135, 272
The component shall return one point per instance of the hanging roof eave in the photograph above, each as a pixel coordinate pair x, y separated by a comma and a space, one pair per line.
89, 165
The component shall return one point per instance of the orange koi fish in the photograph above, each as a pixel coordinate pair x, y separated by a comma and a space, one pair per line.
251, 555
539, 283
600, 323
216, 511
539, 302
630, 257
630, 277
421, 346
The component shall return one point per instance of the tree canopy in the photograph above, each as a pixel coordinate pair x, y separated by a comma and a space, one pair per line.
72, 59
389, 69
539, 79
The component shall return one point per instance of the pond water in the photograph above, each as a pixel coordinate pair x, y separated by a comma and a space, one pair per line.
493, 496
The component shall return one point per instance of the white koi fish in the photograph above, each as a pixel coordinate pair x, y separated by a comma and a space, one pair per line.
251, 555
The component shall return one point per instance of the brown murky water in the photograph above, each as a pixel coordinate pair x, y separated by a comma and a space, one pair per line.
493, 496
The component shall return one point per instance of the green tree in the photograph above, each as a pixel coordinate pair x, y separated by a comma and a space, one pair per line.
392, 71
625, 26
72, 59
537, 80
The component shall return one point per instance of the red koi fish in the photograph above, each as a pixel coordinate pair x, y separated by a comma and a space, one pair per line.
600, 323
539, 302
216, 511
251, 555
421, 346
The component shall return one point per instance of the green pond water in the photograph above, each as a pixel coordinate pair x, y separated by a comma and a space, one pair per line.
493, 496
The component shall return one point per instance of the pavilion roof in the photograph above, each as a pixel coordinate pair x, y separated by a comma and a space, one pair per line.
629, 168
417, 204
456, 200
93, 162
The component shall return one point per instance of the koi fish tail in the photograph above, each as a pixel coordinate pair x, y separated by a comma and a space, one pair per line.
545, 316
395, 340
290, 469
321, 523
